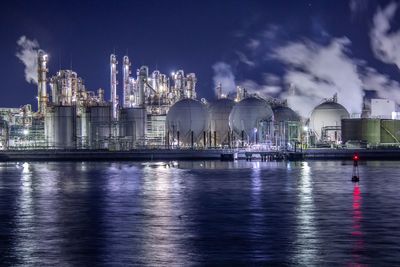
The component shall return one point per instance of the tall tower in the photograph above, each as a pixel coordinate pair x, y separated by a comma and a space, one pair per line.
142, 76
113, 84
126, 72
42, 81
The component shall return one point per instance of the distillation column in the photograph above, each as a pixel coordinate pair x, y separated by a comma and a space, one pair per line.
42, 81
113, 81
126, 72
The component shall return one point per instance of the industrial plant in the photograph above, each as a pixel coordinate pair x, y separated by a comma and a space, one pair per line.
163, 111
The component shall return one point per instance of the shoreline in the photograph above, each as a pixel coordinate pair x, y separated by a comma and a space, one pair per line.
189, 154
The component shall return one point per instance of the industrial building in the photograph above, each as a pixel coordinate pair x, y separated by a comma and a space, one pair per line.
162, 111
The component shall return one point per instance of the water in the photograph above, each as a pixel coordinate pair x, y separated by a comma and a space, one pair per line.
198, 213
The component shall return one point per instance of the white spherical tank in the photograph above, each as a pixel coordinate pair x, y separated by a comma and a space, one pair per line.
185, 117
326, 121
218, 119
251, 119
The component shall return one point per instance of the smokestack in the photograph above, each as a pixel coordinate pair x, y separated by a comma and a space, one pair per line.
113, 83
42, 81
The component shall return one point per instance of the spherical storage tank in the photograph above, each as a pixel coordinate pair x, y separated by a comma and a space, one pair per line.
325, 120
218, 119
183, 118
285, 114
252, 116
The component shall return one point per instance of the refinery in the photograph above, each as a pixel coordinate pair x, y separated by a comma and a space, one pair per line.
159, 111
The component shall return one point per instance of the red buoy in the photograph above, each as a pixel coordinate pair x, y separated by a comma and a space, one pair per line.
356, 176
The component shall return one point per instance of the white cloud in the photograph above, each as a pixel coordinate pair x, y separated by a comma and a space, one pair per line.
223, 74
253, 44
358, 7
244, 59
385, 43
318, 72
381, 83
27, 53
261, 89
271, 79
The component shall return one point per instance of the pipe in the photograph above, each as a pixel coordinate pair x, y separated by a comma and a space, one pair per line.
242, 138
177, 136
191, 133
215, 139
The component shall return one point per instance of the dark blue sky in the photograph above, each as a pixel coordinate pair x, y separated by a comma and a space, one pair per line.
192, 35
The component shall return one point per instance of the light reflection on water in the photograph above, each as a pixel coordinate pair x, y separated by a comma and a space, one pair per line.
199, 212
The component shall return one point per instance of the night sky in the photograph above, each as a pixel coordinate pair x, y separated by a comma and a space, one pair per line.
301, 50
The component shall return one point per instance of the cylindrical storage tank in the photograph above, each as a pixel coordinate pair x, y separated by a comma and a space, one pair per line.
252, 119
186, 118
390, 131
287, 124
133, 125
100, 126
82, 128
326, 120
361, 130
218, 119
60, 127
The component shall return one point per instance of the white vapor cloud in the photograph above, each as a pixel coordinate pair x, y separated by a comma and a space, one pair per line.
223, 74
261, 89
385, 43
253, 44
244, 59
27, 53
381, 83
358, 7
318, 72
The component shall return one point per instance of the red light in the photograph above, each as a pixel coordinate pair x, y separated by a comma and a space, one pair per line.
355, 157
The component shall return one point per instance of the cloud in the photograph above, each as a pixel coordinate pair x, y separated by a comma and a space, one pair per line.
384, 86
358, 7
253, 44
318, 72
271, 79
385, 43
27, 53
223, 74
261, 89
244, 59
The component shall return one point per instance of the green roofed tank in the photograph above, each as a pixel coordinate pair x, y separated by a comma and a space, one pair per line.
390, 131
362, 130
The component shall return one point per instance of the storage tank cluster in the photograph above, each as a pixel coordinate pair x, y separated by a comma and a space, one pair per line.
228, 123
160, 110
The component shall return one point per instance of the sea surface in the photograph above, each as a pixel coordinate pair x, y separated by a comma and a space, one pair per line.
199, 213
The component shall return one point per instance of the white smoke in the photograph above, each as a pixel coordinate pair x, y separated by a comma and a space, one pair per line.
382, 84
385, 43
223, 74
358, 7
27, 53
318, 72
